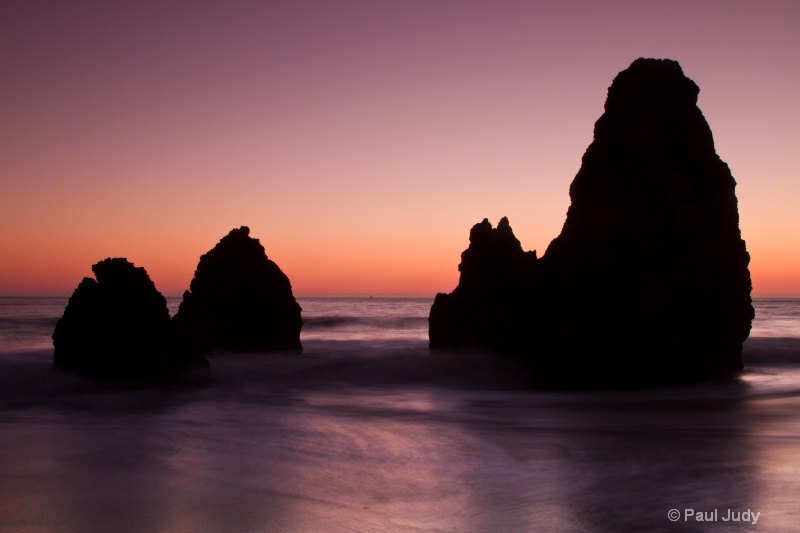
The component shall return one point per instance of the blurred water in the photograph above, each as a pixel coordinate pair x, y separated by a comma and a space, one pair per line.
776, 318
365, 318
367, 430
26, 323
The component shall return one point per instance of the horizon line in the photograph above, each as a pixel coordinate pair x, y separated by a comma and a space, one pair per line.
367, 296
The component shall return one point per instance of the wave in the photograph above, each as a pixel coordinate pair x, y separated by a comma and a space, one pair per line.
771, 350
333, 322
27, 379
11, 322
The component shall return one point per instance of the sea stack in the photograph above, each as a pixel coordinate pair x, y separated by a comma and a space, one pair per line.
117, 326
648, 282
483, 309
239, 300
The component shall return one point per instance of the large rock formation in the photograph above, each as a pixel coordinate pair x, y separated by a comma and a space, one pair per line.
648, 281
239, 300
117, 326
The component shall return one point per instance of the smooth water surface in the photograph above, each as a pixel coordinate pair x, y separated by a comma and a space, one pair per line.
367, 430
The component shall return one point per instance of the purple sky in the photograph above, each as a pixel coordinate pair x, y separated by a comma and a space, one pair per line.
359, 140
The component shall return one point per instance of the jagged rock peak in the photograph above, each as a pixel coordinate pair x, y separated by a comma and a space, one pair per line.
648, 80
239, 300
241, 232
491, 249
483, 231
238, 240
119, 271
494, 268
117, 326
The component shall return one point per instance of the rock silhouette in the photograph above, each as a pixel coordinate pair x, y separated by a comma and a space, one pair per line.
648, 281
239, 300
483, 310
117, 326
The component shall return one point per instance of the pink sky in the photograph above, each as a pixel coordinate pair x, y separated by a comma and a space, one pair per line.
359, 140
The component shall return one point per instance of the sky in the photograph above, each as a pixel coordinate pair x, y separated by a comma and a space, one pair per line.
359, 140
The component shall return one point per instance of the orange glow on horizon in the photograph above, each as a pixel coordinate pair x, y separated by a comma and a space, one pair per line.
388, 271
359, 149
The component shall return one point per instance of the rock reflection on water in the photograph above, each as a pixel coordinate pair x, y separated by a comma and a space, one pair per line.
424, 458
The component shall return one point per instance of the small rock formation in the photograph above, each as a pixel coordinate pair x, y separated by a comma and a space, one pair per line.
239, 301
648, 281
483, 309
117, 326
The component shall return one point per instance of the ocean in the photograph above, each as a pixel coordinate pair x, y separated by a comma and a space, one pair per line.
368, 430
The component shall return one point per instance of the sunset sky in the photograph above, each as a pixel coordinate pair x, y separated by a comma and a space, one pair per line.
359, 140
